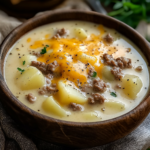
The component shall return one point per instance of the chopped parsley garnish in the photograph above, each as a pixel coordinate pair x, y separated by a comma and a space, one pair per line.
43, 50
21, 70
94, 74
148, 149
113, 94
24, 62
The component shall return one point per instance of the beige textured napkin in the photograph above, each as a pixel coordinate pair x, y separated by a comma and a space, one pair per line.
13, 138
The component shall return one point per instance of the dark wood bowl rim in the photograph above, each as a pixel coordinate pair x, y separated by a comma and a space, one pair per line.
29, 111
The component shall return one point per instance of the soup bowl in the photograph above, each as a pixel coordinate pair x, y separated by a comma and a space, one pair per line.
72, 134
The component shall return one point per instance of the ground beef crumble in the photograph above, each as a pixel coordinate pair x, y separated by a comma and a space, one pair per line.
97, 98
91, 71
99, 85
124, 62
118, 86
86, 87
61, 33
139, 68
75, 107
109, 60
37, 54
121, 62
52, 66
48, 81
44, 68
108, 38
116, 71
49, 77
31, 98
48, 89
39, 65
91, 100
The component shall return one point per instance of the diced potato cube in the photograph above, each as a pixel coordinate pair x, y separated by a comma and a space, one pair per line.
106, 73
87, 59
27, 59
31, 78
80, 33
90, 116
68, 94
51, 106
112, 107
132, 85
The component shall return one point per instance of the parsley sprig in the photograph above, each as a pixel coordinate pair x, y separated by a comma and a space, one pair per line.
24, 62
94, 74
21, 70
113, 94
43, 51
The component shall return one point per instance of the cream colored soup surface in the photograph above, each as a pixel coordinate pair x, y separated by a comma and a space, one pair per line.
76, 52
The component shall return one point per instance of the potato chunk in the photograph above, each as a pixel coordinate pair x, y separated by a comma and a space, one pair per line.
90, 116
31, 78
87, 59
80, 33
106, 73
131, 85
27, 59
51, 106
112, 107
68, 94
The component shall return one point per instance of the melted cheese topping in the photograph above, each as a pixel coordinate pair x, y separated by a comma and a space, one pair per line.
68, 53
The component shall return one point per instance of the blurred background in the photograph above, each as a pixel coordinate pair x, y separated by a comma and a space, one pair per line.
135, 13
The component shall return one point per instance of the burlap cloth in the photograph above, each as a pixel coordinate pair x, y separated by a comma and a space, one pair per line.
13, 138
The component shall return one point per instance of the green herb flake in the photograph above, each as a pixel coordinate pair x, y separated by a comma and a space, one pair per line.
24, 62
94, 74
47, 45
148, 149
43, 50
21, 70
113, 94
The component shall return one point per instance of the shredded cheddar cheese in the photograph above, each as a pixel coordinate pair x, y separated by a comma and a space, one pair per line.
73, 54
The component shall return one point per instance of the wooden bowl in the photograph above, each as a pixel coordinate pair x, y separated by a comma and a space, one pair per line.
74, 134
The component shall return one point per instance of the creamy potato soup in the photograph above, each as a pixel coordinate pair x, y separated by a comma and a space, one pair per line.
77, 71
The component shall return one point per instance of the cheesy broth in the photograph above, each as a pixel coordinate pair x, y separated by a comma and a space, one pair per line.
82, 48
